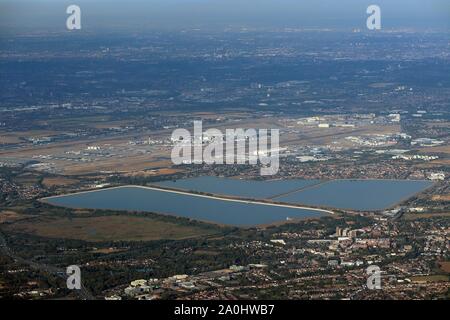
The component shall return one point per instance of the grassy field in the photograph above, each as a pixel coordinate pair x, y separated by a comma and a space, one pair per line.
108, 228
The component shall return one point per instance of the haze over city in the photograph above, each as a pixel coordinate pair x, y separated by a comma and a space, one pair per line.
212, 14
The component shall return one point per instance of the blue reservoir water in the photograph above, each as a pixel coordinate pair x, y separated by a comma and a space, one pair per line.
205, 209
365, 195
237, 187
343, 194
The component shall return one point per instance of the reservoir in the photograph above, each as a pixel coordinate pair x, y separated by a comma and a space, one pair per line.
252, 189
364, 195
221, 211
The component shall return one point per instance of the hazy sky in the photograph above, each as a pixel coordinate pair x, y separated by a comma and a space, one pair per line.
130, 14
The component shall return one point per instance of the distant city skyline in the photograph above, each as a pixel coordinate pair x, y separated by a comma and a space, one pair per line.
176, 14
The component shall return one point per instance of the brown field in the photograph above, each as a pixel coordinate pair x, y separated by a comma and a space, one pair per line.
445, 197
124, 165
9, 139
439, 149
82, 212
58, 181
8, 216
445, 266
28, 178
108, 250
206, 253
27, 134
155, 172
433, 278
443, 162
77, 122
434, 163
108, 228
